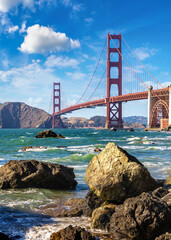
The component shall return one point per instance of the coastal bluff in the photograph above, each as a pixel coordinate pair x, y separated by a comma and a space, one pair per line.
21, 115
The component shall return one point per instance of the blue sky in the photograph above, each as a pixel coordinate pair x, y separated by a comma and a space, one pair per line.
42, 41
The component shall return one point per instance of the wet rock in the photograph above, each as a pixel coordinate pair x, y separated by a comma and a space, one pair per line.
72, 233
91, 202
97, 149
45, 134
101, 216
115, 175
168, 180
131, 130
60, 136
24, 149
61, 147
166, 236
31, 173
113, 129
160, 192
167, 199
4, 236
139, 218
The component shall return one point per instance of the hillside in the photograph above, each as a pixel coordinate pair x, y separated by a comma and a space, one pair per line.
20, 115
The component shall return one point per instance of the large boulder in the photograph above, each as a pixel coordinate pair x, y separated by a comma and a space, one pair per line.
139, 218
115, 175
31, 173
168, 180
72, 233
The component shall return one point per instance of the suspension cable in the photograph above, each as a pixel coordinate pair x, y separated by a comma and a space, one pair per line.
93, 74
127, 63
96, 86
140, 61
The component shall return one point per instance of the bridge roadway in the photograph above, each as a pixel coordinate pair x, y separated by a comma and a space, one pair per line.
121, 98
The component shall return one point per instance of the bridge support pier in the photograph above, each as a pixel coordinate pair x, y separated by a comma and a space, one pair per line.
57, 122
114, 110
159, 109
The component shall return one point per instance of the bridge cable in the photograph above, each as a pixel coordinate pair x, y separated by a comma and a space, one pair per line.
93, 74
140, 61
96, 86
127, 63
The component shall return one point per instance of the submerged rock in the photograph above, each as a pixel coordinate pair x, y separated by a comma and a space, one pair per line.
31, 173
24, 149
115, 175
72, 233
139, 218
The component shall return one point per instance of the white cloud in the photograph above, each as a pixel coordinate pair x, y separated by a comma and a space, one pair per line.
13, 29
7, 5
88, 20
76, 75
54, 61
144, 52
40, 39
23, 27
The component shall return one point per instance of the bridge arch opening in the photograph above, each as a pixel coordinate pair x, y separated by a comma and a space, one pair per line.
114, 90
114, 43
114, 73
160, 111
114, 56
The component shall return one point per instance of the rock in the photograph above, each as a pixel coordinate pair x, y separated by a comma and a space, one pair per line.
72, 233
24, 149
131, 130
31, 173
114, 175
97, 149
60, 136
160, 192
141, 218
101, 216
166, 236
45, 134
113, 129
167, 199
168, 180
4, 236
91, 202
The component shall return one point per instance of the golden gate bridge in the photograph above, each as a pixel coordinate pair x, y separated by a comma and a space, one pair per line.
159, 100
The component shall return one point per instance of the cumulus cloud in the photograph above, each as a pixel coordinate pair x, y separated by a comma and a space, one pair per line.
61, 62
23, 27
144, 52
40, 39
7, 5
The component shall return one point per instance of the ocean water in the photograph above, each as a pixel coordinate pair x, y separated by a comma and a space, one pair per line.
20, 217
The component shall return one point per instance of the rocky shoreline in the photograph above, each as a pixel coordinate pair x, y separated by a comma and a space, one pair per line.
124, 200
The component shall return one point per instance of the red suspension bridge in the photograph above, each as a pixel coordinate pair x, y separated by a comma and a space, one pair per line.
159, 100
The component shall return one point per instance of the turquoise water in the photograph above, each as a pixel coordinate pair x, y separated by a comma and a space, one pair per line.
153, 149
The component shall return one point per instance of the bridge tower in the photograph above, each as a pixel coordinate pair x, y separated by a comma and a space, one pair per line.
57, 123
114, 110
